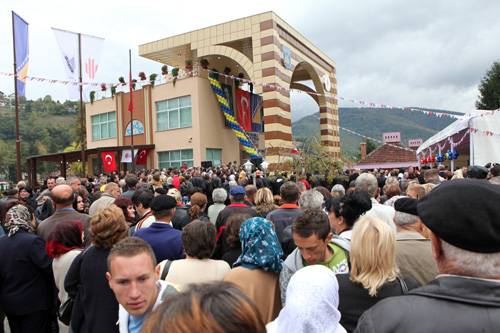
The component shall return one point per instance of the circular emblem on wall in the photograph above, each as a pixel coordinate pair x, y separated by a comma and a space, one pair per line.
328, 84
138, 128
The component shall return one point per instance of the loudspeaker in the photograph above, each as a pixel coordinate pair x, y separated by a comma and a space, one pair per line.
206, 164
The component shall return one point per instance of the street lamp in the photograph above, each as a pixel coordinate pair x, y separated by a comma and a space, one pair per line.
264, 166
248, 168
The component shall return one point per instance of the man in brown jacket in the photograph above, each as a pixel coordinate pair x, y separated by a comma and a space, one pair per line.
413, 250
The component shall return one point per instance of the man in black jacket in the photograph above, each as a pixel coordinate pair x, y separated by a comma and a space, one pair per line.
465, 235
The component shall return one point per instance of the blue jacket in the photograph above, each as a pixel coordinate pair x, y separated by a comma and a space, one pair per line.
164, 239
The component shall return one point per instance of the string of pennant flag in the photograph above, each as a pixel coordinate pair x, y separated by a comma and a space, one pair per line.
255, 83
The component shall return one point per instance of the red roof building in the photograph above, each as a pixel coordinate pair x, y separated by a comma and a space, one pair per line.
391, 154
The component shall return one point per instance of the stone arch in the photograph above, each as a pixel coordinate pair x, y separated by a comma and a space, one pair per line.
329, 126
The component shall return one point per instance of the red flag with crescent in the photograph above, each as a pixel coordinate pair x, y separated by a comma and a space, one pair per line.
142, 156
109, 162
244, 111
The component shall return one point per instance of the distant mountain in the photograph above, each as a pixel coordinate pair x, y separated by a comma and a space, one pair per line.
373, 122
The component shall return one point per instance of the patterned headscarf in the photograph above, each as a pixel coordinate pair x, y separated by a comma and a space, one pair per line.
18, 217
260, 246
65, 237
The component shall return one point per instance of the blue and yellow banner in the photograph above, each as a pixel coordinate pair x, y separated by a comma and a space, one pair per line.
22, 52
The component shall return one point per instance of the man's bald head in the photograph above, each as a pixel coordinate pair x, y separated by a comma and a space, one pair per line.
62, 196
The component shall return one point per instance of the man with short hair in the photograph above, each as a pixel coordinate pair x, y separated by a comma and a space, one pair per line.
131, 182
413, 250
108, 197
142, 200
462, 216
368, 184
288, 211
237, 197
315, 246
163, 238
250, 192
74, 182
63, 197
134, 278
432, 176
51, 182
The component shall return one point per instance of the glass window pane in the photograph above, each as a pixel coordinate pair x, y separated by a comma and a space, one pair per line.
173, 103
96, 132
104, 132
187, 154
217, 163
95, 119
112, 129
175, 155
104, 117
163, 156
112, 116
175, 164
185, 117
173, 119
217, 154
189, 163
185, 101
209, 154
165, 165
161, 105
162, 121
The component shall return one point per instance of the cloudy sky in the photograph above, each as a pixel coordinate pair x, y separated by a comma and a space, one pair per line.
429, 53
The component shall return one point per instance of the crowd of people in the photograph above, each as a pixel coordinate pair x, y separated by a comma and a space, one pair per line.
217, 250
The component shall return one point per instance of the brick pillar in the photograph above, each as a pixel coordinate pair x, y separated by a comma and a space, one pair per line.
363, 149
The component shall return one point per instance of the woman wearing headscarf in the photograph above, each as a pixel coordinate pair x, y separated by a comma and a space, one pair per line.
257, 269
197, 210
312, 299
373, 274
65, 242
25, 274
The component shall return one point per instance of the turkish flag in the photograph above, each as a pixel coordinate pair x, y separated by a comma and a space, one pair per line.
244, 112
142, 155
109, 162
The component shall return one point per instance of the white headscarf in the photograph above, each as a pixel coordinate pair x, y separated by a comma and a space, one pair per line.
312, 299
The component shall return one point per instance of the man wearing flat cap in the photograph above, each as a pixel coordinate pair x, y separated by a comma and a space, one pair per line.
413, 250
463, 218
163, 238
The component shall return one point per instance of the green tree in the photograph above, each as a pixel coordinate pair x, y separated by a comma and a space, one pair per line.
489, 89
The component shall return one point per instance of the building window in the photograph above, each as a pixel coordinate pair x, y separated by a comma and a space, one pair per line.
214, 155
173, 113
175, 158
104, 126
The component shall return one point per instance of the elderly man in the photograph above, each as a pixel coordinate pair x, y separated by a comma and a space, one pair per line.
51, 182
133, 277
74, 182
368, 184
163, 238
462, 216
63, 197
111, 192
180, 210
413, 250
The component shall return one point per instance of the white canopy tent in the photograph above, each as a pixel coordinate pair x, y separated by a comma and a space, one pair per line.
476, 135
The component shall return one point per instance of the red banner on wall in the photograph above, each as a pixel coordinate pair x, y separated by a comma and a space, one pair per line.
244, 111
109, 161
142, 156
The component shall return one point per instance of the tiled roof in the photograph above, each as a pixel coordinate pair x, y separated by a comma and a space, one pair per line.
389, 154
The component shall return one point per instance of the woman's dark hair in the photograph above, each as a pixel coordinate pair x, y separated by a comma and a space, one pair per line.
332, 205
353, 205
75, 202
233, 227
392, 190
324, 191
218, 307
198, 239
123, 203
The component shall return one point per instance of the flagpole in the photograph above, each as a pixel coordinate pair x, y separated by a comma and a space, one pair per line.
81, 104
18, 142
131, 111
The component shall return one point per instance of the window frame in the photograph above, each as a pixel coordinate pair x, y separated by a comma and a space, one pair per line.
173, 106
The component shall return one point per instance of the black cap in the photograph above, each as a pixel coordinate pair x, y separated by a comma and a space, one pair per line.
12, 191
406, 205
464, 213
477, 172
162, 202
161, 190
